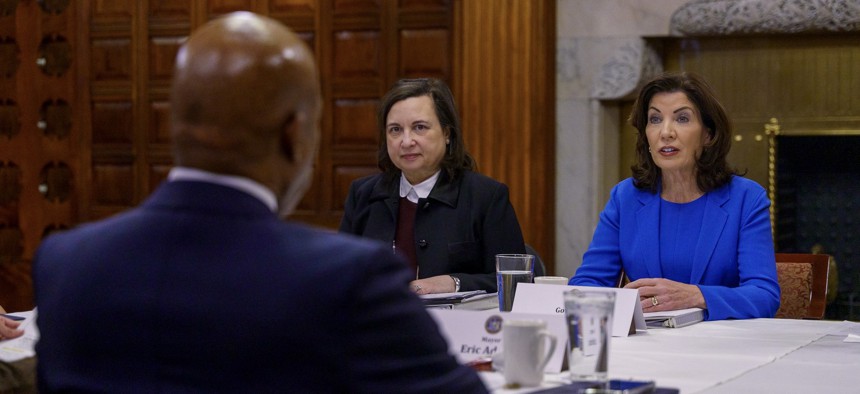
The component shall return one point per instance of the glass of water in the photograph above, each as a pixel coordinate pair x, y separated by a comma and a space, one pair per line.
512, 269
589, 325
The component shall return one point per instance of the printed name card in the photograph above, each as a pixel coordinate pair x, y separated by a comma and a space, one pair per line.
549, 299
473, 335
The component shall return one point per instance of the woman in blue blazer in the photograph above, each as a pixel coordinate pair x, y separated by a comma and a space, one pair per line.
685, 229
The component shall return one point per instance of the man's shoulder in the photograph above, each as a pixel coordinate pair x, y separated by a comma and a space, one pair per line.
338, 247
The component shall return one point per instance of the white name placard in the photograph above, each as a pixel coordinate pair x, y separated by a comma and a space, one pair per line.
549, 299
473, 335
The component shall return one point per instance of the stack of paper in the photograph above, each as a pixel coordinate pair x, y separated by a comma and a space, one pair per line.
12, 350
477, 299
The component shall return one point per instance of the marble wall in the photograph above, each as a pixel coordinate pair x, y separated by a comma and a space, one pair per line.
598, 41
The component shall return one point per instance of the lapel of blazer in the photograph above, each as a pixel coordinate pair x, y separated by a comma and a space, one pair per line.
389, 193
713, 223
647, 239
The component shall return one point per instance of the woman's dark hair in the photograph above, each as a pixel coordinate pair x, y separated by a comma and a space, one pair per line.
712, 169
456, 159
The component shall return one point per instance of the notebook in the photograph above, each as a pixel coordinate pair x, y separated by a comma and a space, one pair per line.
674, 319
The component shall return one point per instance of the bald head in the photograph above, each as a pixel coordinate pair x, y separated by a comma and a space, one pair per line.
245, 100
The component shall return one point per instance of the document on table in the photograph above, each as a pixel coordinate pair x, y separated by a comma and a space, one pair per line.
674, 319
454, 298
12, 350
848, 328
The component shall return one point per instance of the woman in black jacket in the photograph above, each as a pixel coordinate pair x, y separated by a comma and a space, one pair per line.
448, 221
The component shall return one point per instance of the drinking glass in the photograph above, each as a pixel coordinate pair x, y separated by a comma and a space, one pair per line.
589, 319
512, 269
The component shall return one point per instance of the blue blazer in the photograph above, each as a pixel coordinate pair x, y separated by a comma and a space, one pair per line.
203, 289
733, 263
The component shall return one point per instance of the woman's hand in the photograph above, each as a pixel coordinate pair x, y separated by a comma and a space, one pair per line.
433, 284
657, 294
8, 329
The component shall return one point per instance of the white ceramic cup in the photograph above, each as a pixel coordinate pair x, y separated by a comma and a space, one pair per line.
552, 280
525, 351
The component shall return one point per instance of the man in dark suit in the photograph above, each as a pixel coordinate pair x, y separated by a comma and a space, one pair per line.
202, 287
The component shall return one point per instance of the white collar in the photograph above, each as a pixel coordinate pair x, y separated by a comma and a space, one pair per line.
241, 183
422, 190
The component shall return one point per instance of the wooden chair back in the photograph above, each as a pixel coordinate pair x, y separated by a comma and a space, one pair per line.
803, 285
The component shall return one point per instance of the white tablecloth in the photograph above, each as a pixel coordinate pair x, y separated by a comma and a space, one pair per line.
731, 356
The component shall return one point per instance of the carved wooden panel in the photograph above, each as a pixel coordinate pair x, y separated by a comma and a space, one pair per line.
111, 185
162, 54
10, 186
112, 122
9, 57
112, 9
357, 55
343, 177
160, 122
217, 7
111, 59
293, 7
357, 6
55, 118
355, 122
39, 134
56, 182
425, 53
169, 9
10, 124
425, 5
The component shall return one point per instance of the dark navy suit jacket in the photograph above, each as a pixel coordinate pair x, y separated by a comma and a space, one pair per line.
202, 288
459, 227
733, 263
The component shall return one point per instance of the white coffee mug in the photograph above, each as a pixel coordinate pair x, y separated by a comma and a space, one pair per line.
552, 280
525, 351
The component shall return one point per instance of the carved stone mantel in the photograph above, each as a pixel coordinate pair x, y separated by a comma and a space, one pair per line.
634, 63
630, 66
724, 17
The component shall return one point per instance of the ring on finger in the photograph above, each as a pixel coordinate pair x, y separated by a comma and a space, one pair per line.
654, 301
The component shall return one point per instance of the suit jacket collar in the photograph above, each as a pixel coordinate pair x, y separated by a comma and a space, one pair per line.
648, 225
206, 197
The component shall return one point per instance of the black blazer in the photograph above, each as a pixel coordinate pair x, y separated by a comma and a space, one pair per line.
459, 227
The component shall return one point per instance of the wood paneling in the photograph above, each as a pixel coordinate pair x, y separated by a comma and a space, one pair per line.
355, 123
39, 142
506, 79
121, 58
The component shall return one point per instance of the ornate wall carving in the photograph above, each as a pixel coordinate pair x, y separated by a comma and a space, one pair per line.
723, 17
631, 65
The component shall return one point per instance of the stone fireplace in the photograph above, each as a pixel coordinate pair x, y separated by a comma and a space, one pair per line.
817, 206
796, 61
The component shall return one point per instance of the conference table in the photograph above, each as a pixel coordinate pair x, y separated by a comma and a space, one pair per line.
733, 356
